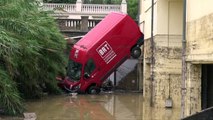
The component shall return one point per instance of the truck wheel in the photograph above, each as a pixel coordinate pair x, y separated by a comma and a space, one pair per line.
135, 52
94, 90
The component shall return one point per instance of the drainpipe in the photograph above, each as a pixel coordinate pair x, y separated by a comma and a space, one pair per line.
152, 54
183, 88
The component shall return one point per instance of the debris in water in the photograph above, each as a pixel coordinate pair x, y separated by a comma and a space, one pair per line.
30, 116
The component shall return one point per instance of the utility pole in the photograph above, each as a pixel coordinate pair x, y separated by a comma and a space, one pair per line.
152, 54
183, 82
115, 78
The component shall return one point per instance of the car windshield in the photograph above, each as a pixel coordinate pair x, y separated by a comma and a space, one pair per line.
74, 70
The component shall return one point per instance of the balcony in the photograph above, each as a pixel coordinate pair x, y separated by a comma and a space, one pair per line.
86, 9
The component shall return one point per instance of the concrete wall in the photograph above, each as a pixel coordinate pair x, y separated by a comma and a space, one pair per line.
199, 49
200, 37
193, 89
167, 70
197, 9
167, 51
167, 17
145, 17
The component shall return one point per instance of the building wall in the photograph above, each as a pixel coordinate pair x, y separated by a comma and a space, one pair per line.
167, 70
166, 67
199, 31
193, 89
197, 9
199, 49
167, 52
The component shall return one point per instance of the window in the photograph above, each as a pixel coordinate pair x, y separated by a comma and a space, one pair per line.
74, 70
89, 67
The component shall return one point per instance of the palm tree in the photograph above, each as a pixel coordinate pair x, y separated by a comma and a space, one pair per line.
31, 53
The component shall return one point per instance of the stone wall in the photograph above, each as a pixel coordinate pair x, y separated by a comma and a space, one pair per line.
166, 70
146, 70
193, 89
199, 51
200, 40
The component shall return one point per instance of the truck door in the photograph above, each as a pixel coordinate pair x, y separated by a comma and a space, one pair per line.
90, 69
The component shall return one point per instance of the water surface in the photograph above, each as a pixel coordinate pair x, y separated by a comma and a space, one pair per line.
116, 106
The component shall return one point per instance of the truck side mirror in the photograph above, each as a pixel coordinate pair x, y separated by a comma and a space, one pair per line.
86, 76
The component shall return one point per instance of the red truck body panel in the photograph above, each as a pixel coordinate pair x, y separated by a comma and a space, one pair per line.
107, 45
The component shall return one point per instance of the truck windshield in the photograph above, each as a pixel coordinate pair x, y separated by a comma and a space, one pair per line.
74, 70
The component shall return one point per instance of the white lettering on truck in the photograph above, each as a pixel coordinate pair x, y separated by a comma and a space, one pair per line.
106, 52
76, 53
104, 49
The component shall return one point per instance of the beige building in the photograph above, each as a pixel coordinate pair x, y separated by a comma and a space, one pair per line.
199, 56
162, 67
162, 63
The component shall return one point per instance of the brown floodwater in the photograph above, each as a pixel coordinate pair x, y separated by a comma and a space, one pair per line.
107, 106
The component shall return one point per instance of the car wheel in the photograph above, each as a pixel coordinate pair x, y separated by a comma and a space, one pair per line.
136, 52
94, 90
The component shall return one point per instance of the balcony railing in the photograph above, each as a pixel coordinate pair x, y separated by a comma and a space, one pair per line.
76, 17
93, 8
66, 7
76, 25
79, 7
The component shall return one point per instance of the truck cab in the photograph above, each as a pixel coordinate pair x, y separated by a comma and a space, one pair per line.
103, 49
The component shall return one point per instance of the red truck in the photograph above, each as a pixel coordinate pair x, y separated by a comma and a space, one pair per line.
103, 49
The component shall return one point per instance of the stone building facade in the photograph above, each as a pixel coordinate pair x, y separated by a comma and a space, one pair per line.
199, 56
162, 64
163, 71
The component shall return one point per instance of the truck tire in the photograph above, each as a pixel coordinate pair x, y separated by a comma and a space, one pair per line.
136, 52
93, 90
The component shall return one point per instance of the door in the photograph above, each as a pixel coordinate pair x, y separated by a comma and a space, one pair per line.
207, 86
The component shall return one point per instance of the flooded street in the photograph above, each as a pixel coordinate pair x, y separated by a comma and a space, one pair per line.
116, 106
89, 107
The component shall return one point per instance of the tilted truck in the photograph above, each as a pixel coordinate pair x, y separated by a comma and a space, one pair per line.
103, 49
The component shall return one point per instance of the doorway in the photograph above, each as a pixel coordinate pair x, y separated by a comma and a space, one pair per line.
207, 86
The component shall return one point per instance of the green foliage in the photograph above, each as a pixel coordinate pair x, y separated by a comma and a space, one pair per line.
10, 99
132, 9
31, 53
